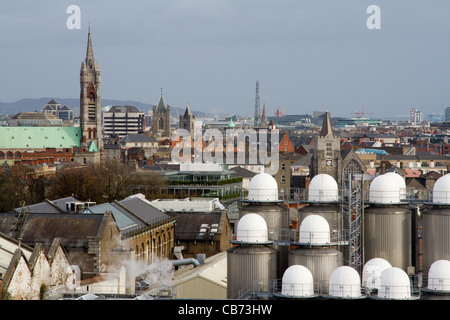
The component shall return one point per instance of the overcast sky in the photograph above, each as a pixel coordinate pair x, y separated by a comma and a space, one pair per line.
307, 55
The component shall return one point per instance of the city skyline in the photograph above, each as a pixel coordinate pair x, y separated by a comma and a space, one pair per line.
306, 55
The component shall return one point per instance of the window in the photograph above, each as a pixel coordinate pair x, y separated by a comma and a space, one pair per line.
283, 166
283, 178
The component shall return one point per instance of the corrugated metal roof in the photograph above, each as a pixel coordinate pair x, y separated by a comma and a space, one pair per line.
214, 270
39, 137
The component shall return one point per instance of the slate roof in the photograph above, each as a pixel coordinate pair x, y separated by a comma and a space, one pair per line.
47, 206
242, 172
136, 137
142, 209
188, 223
72, 229
127, 109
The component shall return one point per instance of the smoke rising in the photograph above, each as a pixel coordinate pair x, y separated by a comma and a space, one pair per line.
159, 273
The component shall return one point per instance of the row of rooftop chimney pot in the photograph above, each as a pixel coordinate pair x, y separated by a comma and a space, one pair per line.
410, 164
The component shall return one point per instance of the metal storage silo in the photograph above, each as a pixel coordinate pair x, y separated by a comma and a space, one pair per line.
387, 226
323, 200
252, 264
436, 224
315, 251
263, 200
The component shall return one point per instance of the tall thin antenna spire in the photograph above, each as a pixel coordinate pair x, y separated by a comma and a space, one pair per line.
257, 117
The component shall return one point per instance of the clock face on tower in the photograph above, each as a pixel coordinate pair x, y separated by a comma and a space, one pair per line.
329, 162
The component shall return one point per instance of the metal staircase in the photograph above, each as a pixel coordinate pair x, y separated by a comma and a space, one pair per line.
351, 215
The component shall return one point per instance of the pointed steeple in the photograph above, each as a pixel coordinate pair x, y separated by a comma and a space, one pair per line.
188, 112
161, 107
89, 50
264, 117
326, 126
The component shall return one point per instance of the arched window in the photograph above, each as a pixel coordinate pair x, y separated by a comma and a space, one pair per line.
9, 155
2, 155
352, 167
161, 123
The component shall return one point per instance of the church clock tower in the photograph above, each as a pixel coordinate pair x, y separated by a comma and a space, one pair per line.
90, 102
327, 152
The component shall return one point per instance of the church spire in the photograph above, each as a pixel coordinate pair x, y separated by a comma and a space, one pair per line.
326, 126
89, 50
264, 117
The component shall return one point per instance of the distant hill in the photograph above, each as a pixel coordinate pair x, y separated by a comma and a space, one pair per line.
31, 105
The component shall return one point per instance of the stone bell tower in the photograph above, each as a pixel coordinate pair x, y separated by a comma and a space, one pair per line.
90, 102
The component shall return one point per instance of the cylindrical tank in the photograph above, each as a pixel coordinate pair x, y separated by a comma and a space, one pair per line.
276, 216
323, 200
252, 264
315, 251
388, 234
330, 211
250, 268
387, 225
436, 235
436, 224
321, 261
263, 200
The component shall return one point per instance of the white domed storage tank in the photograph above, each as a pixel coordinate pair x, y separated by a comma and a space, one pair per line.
387, 225
252, 228
314, 230
384, 189
297, 282
401, 183
372, 272
394, 284
438, 287
263, 188
252, 260
436, 224
441, 190
323, 188
323, 200
439, 276
345, 282
315, 252
263, 200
